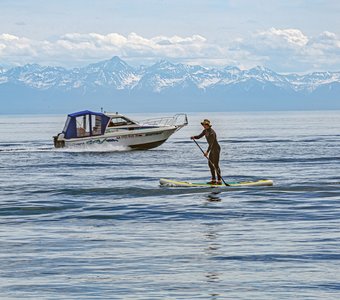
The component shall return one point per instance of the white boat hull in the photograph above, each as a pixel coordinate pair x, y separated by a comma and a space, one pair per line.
134, 140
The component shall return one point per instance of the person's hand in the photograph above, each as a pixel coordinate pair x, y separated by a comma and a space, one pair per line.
192, 137
206, 154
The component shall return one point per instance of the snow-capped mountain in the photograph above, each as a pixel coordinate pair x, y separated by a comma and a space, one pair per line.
165, 80
164, 75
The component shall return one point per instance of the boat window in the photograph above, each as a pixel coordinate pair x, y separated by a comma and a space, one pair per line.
83, 126
119, 121
88, 125
97, 125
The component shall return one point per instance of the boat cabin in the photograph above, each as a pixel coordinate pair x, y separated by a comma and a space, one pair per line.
85, 123
88, 123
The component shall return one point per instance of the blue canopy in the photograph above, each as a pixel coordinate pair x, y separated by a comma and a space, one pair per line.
70, 129
85, 112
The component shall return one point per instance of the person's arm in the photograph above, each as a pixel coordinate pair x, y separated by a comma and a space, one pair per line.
196, 137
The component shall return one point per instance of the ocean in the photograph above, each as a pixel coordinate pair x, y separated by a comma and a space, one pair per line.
93, 223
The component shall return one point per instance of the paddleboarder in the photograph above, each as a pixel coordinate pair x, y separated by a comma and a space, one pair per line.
213, 152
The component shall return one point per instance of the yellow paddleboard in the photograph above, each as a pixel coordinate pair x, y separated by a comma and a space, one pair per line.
175, 183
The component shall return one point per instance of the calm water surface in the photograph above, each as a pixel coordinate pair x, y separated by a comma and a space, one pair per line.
92, 223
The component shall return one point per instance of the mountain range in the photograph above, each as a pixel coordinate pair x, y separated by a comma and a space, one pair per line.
163, 86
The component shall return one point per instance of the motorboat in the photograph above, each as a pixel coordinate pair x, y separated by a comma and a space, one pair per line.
88, 128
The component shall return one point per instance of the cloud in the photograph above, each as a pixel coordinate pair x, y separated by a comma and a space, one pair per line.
76, 48
8, 37
290, 38
290, 50
283, 50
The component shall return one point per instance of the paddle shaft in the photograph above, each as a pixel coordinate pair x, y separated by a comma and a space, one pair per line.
218, 173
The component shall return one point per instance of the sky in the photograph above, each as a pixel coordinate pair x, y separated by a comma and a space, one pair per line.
291, 36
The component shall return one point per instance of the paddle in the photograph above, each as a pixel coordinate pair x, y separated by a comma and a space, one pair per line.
211, 163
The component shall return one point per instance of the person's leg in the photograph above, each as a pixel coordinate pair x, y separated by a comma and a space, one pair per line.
217, 165
212, 171
215, 159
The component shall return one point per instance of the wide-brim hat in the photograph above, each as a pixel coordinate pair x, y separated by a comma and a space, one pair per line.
206, 122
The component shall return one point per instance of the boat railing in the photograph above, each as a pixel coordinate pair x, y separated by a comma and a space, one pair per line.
178, 120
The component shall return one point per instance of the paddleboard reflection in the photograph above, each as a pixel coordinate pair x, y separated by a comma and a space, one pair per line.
213, 197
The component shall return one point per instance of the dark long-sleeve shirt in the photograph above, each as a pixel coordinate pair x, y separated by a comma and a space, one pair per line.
211, 137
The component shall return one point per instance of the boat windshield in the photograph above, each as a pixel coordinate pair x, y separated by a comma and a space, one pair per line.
120, 121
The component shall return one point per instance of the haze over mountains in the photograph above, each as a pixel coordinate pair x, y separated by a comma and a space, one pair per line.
164, 86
